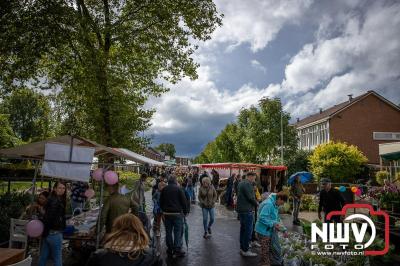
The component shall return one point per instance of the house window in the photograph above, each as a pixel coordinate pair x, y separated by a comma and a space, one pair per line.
313, 136
386, 135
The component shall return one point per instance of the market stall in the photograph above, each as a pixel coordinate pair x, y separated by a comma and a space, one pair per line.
71, 158
268, 176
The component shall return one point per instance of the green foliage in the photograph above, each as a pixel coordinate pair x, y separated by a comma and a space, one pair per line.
12, 205
254, 138
103, 59
298, 161
381, 176
224, 148
29, 113
127, 178
309, 203
167, 148
7, 136
336, 160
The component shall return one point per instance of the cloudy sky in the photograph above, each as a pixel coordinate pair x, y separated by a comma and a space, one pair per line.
309, 53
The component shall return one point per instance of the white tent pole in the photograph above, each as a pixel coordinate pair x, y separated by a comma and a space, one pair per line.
100, 208
34, 180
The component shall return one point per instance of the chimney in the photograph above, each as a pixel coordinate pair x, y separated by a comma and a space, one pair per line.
350, 97
298, 119
320, 110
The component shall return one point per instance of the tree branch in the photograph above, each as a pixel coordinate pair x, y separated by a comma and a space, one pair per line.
107, 33
126, 17
86, 15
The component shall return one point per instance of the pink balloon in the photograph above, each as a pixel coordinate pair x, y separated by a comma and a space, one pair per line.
358, 192
34, 228
111, 177
98, 174
89, 193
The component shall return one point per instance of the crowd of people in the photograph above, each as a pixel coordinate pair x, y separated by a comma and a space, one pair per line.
127, 229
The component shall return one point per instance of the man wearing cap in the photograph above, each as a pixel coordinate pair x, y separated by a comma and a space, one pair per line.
329, 200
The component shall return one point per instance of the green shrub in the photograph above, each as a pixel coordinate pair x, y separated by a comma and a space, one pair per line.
381, 176
336, 160
11, 205
308, 203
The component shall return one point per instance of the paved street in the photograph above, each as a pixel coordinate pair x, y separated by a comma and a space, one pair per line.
222, 248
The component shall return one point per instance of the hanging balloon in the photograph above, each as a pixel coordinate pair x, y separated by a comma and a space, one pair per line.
353, 189
111, 177
98, 174
89, 193
358, 192
34, 228
342, 189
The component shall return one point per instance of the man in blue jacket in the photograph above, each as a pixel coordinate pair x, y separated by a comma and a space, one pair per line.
246, 203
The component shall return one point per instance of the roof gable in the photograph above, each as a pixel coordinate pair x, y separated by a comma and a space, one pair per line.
328, 113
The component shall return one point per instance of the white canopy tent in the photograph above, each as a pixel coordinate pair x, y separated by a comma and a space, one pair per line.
137, 157
37, 152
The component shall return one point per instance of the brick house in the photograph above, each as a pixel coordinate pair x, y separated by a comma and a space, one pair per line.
182, 161
364, 121
154, 154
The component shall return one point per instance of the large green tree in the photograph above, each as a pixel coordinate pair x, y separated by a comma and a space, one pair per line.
298, 161
260, 128
167, 148
7, 136
29, 113
103, 59
255, 137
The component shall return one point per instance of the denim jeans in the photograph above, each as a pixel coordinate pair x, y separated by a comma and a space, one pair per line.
296, 209
207, 211
174, 225
190, 190
52, 244
246, 229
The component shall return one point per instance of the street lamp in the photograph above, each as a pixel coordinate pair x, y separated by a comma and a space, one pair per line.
281, 133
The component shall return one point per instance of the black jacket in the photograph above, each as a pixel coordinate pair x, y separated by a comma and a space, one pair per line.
330, 201
173, 200
104, 257
54, 217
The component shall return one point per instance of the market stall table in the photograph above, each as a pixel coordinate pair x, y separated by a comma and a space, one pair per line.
11, 255
84, 225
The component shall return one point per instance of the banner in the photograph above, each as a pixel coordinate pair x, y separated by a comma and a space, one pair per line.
57, 162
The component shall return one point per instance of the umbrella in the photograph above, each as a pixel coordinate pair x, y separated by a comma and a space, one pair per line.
304, 177
186, 232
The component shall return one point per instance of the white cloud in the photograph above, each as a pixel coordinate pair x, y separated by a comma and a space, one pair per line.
190, 102
257, 65
356, 49
256, 22
365, 55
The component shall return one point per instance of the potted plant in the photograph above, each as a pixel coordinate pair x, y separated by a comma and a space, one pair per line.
381, 176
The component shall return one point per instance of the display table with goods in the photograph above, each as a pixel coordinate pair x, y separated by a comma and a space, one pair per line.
296, 250
81, 228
